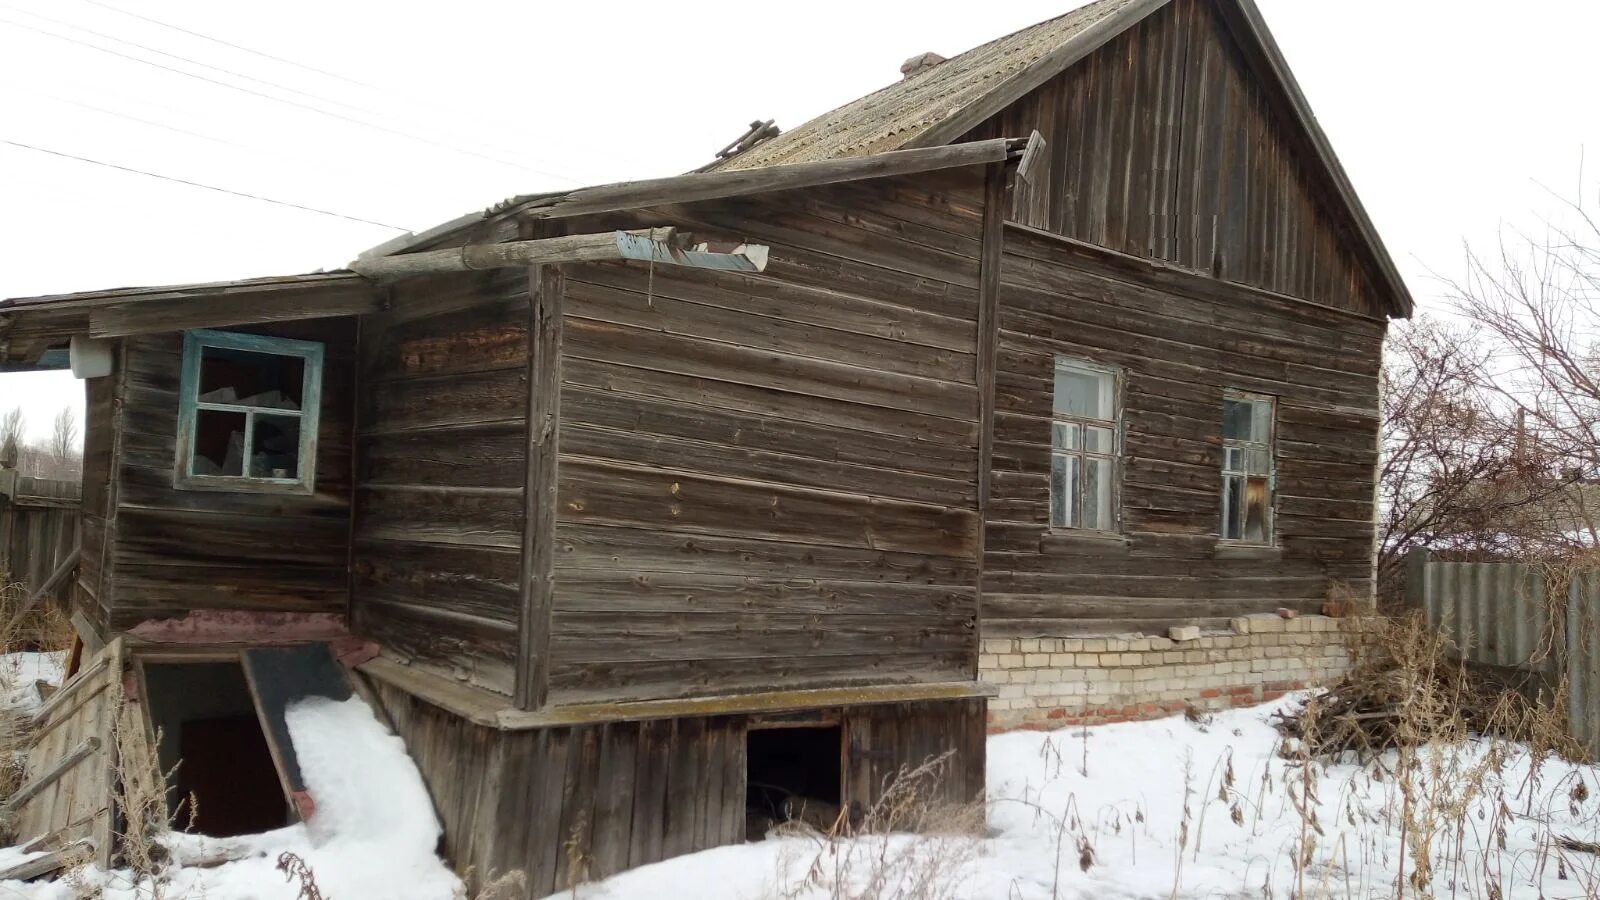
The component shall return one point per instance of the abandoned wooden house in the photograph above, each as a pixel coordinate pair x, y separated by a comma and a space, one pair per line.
636, 507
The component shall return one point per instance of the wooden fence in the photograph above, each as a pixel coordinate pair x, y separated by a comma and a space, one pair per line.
38, 527
1503, 614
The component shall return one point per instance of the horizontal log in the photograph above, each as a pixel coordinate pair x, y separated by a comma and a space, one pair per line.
663, 246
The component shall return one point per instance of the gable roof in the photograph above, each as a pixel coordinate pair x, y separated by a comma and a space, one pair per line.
940, 104
917, 111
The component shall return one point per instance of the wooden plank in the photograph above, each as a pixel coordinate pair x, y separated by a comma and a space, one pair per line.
541, 485
279, 677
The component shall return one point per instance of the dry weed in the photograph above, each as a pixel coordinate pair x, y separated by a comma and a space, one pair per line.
910, 845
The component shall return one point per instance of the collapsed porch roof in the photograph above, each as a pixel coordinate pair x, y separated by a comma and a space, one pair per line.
30, 326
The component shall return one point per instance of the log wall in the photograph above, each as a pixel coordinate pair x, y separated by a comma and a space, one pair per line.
770, 480
1164, 143
441, 456
1180, 341
175, 551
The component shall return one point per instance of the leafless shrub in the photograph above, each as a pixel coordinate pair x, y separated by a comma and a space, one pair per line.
296, 871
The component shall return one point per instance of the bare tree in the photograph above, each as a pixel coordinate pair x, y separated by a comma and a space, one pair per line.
1538, 299
1457, 472
60, 457
64, 434
12, 425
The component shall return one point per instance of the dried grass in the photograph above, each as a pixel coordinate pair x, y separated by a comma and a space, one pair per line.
910, 845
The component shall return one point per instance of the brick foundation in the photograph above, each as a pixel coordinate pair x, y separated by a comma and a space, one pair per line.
1047, 683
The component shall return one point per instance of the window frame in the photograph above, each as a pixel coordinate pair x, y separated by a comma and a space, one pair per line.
1113, 456
1269, 446
189, 406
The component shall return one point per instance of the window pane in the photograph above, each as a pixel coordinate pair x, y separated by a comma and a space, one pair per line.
1261, 421
1064, 436
218, 443
1232, 459
1260, 462
1236, 418
275, 447
1097, 440
246, 378
1255, 510
1097, 493
1083, 393
1232, 506
1061, 489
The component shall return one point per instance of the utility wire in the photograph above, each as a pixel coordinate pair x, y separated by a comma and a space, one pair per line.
209, 187
265, 96
409, 98
240, 47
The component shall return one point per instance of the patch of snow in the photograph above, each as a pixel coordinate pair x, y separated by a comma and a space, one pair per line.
20, 674
1153, 804
1167, 808
373, 834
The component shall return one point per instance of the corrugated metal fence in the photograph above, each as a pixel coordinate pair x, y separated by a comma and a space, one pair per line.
1501, 614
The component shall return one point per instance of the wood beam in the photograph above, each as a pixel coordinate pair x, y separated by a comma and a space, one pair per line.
657, 245
546, 289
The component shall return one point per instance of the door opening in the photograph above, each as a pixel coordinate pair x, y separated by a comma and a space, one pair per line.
793, 775
223, 781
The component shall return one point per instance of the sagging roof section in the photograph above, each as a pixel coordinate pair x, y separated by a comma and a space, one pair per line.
31, 326
941, 103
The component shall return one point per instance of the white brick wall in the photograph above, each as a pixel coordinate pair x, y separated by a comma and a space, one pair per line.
1053, 682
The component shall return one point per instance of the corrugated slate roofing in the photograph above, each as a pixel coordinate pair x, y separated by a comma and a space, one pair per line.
890, 118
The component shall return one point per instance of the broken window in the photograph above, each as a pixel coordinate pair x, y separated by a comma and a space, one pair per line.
248, 412
1247, 469
1083, 446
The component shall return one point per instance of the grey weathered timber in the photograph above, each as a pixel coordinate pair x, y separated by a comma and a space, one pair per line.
546, 289
664, 246
697, 187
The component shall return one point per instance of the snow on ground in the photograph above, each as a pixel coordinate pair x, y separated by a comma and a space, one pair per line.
1138, 811
1127, 791
20, 674
373, 834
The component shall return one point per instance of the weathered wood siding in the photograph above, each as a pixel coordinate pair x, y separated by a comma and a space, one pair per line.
1180, 341
631, 793
100, 420
770, 480
174, 551
441, 453
1164, 144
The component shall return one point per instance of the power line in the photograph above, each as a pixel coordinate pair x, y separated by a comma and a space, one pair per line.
216, 40
410, 98
209, 187
265, 96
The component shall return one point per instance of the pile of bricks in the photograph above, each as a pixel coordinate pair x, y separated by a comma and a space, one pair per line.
1047, 683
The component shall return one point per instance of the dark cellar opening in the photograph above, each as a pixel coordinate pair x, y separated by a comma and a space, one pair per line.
792, 774
207, 725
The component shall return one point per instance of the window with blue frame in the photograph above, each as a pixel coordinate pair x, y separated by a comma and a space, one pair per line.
247, 413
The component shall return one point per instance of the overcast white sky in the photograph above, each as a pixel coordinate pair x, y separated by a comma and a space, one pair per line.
1451, 116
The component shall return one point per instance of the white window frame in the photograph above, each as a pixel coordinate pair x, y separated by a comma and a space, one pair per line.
1236, 454
1071, 446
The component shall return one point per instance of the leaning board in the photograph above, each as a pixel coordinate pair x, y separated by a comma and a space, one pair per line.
66, 794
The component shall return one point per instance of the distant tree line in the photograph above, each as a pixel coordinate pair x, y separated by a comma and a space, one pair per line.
58, 456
